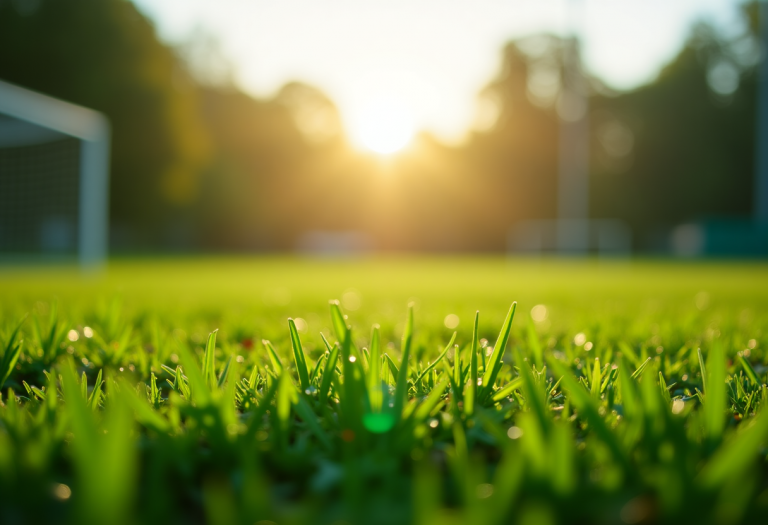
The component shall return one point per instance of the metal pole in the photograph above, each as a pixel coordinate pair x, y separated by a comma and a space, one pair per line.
761, 144
93, 228
573, 169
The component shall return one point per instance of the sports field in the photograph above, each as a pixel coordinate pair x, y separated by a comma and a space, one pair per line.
619, 392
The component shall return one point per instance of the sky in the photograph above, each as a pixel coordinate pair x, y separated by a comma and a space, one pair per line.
423, 61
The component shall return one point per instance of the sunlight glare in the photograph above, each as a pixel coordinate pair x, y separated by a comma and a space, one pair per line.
384, 125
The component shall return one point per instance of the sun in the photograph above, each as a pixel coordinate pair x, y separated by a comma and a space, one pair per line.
383, 125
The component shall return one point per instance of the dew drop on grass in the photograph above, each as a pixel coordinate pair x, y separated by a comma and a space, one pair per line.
350, 299
73, 336
61, 492
539, 313
301, 325
514, 432
484, 490
451, 321
579, 339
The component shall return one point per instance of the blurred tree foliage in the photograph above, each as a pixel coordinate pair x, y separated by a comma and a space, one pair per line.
203, 165
682, 147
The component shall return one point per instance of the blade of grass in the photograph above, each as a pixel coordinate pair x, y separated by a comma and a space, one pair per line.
588, 410
535, 345
304, 411
436, 361
199, 390
423, 410
260, 410
392, 367
457, 383
664, 390
628, 352
740, 453
401, 388
142, 410
355, 397
329, 371
338, 321
286, 395
704, 376
84, 386
273, 357
93, 400
715, 393
534, 395
630, 399
298, 356
640, 369
751, 374
470, 390
594, 381
374, 372
510, 387
224, 373
209, 361
494, 362
11, 354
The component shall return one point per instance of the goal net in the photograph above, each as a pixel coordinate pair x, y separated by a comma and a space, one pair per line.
53, 179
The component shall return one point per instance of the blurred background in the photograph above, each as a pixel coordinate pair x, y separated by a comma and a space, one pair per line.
339, 127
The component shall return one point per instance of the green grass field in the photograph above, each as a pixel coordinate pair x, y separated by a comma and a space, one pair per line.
177, 391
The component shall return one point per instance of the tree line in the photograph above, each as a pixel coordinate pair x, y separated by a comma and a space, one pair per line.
201, 166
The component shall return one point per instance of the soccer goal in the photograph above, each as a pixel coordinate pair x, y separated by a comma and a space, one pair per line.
54, 179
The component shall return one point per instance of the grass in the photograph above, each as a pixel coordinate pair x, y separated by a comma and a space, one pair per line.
231, 391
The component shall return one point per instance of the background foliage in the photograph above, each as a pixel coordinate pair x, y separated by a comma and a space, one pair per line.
198, 164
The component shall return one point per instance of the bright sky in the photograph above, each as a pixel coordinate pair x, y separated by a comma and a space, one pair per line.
429, 58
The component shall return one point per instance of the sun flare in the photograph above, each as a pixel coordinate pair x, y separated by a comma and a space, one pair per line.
384, 125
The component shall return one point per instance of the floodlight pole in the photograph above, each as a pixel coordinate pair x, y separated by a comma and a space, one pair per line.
573, 168
761, 143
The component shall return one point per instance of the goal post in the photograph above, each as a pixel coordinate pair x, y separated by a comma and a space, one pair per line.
31, 119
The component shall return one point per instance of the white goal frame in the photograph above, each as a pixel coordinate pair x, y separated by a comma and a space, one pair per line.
93, 130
